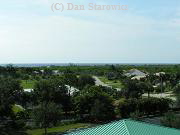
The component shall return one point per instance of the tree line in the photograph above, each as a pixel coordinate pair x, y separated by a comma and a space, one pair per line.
74, 95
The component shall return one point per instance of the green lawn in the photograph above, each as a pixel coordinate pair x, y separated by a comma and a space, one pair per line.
17, 108
113, 83
29, 84
58, 129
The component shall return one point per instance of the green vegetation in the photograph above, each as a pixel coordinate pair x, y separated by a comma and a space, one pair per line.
28, 84
70, 94
10, 123
113, 83
142, 107
17, 108
58, 129
171, 119
96, 103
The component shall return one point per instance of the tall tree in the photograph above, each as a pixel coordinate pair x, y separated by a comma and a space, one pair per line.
132, 89
95, 103
51, 93
85, 80
9, 93
52, 90
177, 94
46, 114
71, 80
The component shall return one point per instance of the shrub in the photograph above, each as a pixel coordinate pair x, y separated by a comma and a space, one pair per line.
146, 106
171, 120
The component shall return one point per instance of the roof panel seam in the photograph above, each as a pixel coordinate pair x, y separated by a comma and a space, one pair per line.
126, 127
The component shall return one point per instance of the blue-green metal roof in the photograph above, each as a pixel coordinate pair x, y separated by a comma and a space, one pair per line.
127, 127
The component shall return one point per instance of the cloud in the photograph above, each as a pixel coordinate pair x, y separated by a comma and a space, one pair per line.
97, 36
68, 39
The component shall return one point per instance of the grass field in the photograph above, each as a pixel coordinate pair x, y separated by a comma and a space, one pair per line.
113, 83
17, 108
58, 129
28, 84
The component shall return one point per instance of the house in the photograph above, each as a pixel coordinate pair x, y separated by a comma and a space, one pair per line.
135, 72
35, 72
28, 90
42, 71
160, 73
127, 127
138, 77
55, 72
71, 89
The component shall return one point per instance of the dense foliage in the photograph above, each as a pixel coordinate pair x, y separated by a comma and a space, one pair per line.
10, 123
146, 106
72, 93
94, 104
171, 120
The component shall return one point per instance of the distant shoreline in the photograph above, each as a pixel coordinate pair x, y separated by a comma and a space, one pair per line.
81, 64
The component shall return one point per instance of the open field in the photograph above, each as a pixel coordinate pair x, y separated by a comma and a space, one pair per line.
27, 84
17, 108
113, 83
58, 129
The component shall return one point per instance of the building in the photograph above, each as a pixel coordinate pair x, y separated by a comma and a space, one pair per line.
127, 127
135, 72
28, 90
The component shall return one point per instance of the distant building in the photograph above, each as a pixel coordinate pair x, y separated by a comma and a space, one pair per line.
35, 72
42, 71
71, 89
55, 72
135, 72
127, 127
28, 90
137, 77
160, 73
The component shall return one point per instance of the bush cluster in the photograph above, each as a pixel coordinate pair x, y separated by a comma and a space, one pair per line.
146, 106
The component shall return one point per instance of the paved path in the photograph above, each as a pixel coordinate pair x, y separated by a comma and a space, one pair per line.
98, 82
163, 95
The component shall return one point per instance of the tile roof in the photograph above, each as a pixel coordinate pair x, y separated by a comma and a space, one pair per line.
127, 127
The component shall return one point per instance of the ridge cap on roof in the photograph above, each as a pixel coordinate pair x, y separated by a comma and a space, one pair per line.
124, 121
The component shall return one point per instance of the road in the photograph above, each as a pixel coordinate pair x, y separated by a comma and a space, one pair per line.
98, 82
163, 95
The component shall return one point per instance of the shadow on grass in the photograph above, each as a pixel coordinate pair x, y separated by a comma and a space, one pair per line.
55, 133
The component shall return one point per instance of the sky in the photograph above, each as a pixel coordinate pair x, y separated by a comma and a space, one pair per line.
148, 32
